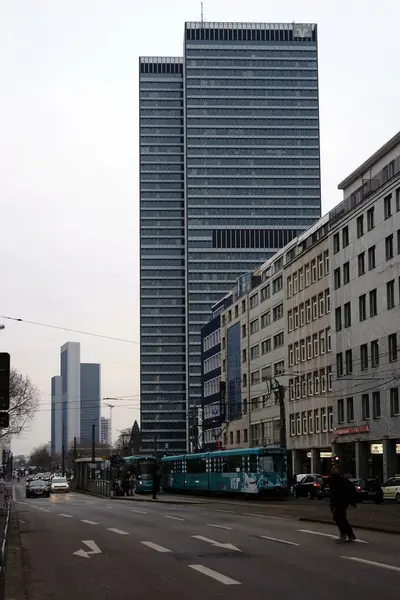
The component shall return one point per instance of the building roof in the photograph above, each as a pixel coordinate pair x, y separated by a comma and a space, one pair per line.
361, 170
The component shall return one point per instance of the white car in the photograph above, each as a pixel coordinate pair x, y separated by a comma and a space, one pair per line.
59, 484
391, 489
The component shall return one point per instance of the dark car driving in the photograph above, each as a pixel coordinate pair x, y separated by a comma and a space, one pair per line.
312, 486
368, 489
37, 489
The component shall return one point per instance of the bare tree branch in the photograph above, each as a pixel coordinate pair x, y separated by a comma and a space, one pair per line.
24, 402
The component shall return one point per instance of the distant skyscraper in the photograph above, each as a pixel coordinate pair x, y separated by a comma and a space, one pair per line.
56, 415
105, 431
90, 402
229, 173
71, 391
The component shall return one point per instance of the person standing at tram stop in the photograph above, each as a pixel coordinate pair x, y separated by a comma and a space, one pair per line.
156, 481
343, 495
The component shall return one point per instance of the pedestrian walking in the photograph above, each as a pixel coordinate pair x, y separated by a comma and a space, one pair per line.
343, 494
156, 482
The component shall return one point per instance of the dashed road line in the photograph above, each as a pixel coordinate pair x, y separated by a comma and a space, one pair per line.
214, 575
108, 506
88, 522
329, 535
232, 512
272, 539
155, 547
265, 516
372, 563
219, 526
174, 518
119, 531
140, 512
64, 515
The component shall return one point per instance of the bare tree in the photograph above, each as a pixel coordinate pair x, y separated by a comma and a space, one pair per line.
40, 457
24, 402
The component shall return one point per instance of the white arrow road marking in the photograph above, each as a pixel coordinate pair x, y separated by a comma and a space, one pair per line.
214, 574
215, 543
272, 539
94, 549
329, 535
372, 563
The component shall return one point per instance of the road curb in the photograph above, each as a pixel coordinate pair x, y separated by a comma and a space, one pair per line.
364, 527
158, 501
15, 582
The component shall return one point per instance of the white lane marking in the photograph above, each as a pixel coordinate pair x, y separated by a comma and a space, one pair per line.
88, 522
155, 547
174, 518
215, 543
117, 531
140, 512
232, 512
44, 510
215, 575
219, 526
329, 535
272, 539
266, 516
108, 506
372, 563
64, 515
13, 493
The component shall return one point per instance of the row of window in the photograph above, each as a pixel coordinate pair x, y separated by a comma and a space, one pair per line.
265, 292
264, 347
211, 363
211, 411
210, 436
310, 347
265, 373
311, 421
344, 360
212, 387
345, 407
310, 273
310, 384
310, 310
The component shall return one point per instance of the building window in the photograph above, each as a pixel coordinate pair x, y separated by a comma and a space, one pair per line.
291, 355
328, 339
231, 437
345, 236
302, 315
373, 303
364, 357
365, 407
243, 306
253, 300
329, 377
244, 355
321, 304
350, 410
336, 278
266, 346
296, 317
295, 283
255, 377
340, 410
336, 243
375, 353
362, 307
349, 362
254, 352
314, 270
371, 258
390, 294
347, 314
243, 331
308, 311
278, 340
310, 422
327, 301
392, 342
398, 199
314, 308
398, 241
370, 218
387, 206
339, 365
360, 226
315, 344
309, 347
266, 373
279, 368
338, 319
320, 266
305, 422
389, 247
324, 419
292, 426
277, 284
236, 311
361, 264
376, 405
307, 272
330, 418
326, 261
254, 326
245, 436
238, 437
265, 319
302, 350
346, 273
265, 293
322, 348
290, 321
316, 421
277, 312
244, 380
301, 279
394, 402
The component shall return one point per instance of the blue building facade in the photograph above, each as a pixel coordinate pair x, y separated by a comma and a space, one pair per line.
90, 402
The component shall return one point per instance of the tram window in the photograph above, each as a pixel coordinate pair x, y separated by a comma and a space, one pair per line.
168, 467
233, 464
253, 463
197, 465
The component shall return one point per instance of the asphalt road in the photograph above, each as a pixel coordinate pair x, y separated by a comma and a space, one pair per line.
150, 549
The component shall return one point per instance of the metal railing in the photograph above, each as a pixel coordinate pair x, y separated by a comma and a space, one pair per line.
4, 543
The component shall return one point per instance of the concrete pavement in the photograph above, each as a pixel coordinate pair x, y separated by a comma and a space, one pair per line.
148, 548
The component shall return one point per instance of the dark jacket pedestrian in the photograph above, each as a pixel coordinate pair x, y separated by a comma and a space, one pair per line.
343, 494
156, 483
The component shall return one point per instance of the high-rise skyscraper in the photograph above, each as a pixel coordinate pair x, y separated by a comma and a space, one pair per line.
105, 431
71, 391
56, 415
229, 173
90, 402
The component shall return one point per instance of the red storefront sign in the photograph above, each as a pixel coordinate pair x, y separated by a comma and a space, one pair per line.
352, 430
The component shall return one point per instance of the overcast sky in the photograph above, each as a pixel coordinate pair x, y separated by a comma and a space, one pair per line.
69, 160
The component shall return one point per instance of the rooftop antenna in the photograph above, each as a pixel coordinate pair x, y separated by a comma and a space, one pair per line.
202, 12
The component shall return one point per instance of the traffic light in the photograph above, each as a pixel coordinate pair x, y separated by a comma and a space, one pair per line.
4, 382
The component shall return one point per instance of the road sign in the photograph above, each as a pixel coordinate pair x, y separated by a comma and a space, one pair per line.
4, 381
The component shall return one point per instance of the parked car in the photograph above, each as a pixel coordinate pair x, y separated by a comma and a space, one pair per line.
368, 489
391, 489
312, 486
297, 479
37, 489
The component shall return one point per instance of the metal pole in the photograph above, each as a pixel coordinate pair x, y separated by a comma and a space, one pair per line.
93, 443
155, 445
74, 457
282, 414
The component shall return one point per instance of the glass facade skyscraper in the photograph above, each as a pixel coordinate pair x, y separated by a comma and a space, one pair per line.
90, 402
250, 182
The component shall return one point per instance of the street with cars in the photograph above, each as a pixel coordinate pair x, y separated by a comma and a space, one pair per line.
179, 546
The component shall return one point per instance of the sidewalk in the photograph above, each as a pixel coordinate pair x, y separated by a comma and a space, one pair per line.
15, 585
163, 498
